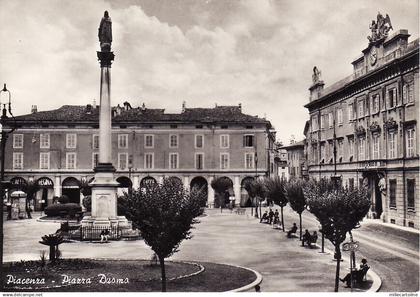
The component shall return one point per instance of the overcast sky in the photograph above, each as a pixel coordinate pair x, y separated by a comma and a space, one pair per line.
259, 52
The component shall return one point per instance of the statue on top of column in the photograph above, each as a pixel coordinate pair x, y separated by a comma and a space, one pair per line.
105, 33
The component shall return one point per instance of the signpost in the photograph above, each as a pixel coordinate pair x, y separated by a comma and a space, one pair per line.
352, 247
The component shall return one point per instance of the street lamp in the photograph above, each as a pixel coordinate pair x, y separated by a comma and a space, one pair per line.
6, 108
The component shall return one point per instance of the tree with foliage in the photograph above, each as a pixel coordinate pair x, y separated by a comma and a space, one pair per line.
164, 213
251, 194
293, 191
338, 209
275, 191
256, 190
221, 185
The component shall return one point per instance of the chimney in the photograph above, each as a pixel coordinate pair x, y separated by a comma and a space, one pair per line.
184, 105
34, 109
240, 107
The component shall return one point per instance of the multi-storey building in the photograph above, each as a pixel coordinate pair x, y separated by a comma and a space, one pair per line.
295, 158
370, 119
58, 149
282, 168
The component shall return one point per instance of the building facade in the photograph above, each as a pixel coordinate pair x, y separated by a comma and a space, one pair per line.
58, 149
295, 159
370, 120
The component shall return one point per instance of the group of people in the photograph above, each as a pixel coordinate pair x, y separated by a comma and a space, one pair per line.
104, 235
270, 217
309, 238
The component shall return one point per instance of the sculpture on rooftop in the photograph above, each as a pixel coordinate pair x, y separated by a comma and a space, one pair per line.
380, 28
105, 33
316, 76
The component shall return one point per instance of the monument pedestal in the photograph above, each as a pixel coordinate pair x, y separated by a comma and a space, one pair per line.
104, 200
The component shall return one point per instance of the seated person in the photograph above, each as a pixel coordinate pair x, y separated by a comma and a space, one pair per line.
264, 218
357, 275
306, 237
104, 235
276, 217
314, 237
292, 230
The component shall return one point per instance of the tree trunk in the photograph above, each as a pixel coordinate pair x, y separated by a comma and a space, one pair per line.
260, 207
52, 253
256, 207
337, 271
163, 272
300, 225
282, 219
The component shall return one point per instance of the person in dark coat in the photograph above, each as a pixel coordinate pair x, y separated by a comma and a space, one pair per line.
357, 275
292, 230
270, 216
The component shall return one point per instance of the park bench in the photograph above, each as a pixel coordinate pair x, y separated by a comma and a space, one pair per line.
240, 211
360, 276
312, 241
130, 234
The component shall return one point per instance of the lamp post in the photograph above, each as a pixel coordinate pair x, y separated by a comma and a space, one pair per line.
6, 108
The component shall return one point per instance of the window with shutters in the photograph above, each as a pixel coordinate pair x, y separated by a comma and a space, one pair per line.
173, 160
71, 160
44, 141
148, 160
393, 193
122, 141
249, 160
71, 141
199, 161
392, 144
248, 140
224, 161
199, 141
411, 144
17, 160
95, 141
375, 145
17, 140
224, 141
149, 141
411, 192
173, 141
122, 161
44, 161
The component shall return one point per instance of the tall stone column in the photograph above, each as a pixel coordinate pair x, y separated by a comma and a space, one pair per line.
104, 185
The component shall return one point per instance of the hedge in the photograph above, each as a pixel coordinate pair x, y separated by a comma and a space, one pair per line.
59, 209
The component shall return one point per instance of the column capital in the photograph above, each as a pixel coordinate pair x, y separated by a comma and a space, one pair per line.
105, 58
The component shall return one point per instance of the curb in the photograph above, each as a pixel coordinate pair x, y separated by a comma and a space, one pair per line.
377, 282
250, 286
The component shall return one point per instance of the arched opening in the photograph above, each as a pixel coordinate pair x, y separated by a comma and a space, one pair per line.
371, 179
125, 184
71, 188
200, 183
176, 179
44, 193
222, 199
246, 201
147, 180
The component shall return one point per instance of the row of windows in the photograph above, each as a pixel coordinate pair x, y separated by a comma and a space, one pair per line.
411, 193
149, 141
124, 161
361, 107
327, 147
